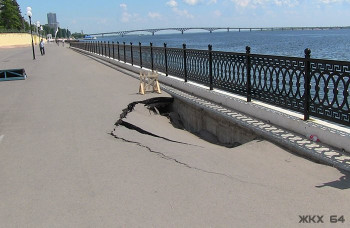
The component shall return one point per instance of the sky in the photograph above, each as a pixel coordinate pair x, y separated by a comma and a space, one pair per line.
120, 15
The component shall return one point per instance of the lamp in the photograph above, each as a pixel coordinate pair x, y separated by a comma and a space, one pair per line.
38, 27
29, 13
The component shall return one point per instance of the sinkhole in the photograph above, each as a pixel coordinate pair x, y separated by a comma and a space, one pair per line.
187, 116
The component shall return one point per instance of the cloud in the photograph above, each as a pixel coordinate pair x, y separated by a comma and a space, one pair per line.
257, 3
334, 1
289, 3
330, 1
196, 2
126, 16
123, 6
183, 13
172, 3
192, 2
154, 15
242, 3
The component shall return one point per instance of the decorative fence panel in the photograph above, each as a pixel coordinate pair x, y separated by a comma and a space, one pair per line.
278, 80
146, 57
197, 62
314, 87
158, 59
176, 62
229, 72
330, 90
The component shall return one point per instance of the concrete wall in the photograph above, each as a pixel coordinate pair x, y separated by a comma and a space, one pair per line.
17, 39
201, 122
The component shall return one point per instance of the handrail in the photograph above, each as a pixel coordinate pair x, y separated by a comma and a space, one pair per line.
313, 87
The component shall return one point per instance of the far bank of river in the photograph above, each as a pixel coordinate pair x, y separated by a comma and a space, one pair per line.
324, 44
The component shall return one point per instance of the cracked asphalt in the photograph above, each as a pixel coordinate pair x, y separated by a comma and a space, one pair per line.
60, 165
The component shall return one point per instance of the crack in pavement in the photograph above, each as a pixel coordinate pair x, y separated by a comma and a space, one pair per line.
166, 157
130, 126
150, 103
140, 130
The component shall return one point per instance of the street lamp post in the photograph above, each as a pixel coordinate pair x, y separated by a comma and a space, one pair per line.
29, 13
38, 26
42, 33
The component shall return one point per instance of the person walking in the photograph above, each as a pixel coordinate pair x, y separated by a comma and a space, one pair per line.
42, 47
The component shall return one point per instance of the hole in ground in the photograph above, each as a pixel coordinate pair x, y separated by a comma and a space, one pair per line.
207, 126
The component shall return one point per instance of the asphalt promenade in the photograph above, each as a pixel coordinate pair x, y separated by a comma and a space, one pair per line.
60, 167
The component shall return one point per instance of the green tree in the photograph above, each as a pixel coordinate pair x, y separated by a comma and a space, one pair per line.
48, 30
10, 15
78, 35
63, 33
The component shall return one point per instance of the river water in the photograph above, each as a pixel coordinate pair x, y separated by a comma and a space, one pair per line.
324, 44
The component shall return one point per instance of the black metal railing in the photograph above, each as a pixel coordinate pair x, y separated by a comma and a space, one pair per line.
314, 87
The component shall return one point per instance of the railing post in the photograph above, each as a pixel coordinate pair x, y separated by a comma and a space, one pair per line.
113, 49
118, 51
109, 50
95, 47
98, 47
185, 61
140, 54
105, 48
152, 63
249, 89
124, 48
307, 84
210, 48
132, 55
102, 47
166, 60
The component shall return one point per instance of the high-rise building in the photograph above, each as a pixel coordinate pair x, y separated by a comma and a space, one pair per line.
52, 20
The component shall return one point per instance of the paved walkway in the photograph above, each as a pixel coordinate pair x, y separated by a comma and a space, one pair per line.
60, 167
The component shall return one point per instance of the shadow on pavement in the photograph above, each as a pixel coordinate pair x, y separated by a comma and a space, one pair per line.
342, 184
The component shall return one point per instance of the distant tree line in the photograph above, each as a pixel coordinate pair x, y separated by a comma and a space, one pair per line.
12, 20
61, 33
10, 16
78, 35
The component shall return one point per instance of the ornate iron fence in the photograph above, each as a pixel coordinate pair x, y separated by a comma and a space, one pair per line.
314, 87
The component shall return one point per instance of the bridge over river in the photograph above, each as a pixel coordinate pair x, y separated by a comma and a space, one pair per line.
212, 29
